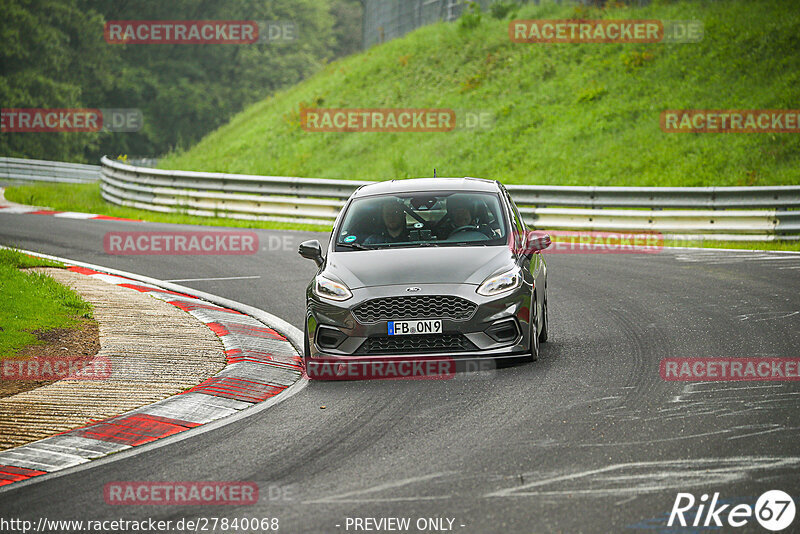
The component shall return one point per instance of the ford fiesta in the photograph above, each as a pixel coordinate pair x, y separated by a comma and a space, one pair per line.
427, 268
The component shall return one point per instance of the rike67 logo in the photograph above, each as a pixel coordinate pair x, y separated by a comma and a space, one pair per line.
774, 510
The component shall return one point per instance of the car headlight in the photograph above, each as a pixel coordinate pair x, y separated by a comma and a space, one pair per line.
328, 289
500, 283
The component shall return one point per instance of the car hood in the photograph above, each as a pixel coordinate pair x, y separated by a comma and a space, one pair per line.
427, 265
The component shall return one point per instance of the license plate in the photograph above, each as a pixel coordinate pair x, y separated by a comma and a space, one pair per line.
402, 328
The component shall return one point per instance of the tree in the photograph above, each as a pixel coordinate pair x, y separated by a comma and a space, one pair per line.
55, 55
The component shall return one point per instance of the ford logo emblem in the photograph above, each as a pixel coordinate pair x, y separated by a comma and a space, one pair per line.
413, 289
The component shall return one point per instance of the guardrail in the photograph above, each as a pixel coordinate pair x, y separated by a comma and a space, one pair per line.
738, 213
48, 171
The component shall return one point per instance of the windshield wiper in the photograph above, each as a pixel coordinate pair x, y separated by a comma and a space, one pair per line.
413, 244
355, 246
467, 243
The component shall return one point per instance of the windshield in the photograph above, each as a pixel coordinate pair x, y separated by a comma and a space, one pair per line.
423, 219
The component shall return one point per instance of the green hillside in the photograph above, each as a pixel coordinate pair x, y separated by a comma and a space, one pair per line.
564, 113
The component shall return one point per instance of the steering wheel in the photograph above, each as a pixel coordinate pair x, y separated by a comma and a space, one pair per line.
473, 227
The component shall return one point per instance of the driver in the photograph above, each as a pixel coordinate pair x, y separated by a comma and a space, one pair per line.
394, 220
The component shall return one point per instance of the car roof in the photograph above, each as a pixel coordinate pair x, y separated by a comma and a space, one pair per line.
427, 184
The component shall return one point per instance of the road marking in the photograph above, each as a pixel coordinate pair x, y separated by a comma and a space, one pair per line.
74, 215
209, 279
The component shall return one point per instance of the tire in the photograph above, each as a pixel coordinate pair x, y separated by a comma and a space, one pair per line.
543, 333
306, 348
534, 349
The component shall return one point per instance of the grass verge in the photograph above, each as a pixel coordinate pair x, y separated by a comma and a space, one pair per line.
31, 301
742, 245
86, 198
564, 114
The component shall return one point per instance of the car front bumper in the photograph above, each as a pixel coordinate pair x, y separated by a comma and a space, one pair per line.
334, 331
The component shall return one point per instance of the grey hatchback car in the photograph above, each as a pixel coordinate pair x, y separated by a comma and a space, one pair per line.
418, 268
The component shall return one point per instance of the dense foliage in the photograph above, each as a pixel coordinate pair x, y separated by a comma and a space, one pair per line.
54, 55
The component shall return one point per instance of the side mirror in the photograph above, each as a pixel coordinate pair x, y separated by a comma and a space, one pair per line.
312, 250
536, 241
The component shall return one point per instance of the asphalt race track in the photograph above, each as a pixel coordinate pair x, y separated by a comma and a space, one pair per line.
587, 439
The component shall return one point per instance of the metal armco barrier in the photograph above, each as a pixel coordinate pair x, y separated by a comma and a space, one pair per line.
47, 171
738, 213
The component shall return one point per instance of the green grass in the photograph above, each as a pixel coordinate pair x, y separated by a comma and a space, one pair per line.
32, 301
85, 198
572, 114
19, 260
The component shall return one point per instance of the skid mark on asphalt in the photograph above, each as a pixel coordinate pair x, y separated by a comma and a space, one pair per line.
690, 391
635, 478
624, 481
728, 397
354, 496
716, 400
721, 399
767, 316
765, 428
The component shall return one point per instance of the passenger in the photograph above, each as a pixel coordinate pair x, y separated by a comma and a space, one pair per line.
460, 213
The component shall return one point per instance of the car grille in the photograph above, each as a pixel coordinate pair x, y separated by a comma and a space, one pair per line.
422, 307
418, 344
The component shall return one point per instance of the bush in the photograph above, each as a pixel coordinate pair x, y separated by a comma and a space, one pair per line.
503, 9
471, 17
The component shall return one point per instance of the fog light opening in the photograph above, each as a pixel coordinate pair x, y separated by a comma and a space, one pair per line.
329, 338
503, 331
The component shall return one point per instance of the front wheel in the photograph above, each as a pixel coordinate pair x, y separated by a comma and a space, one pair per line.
534, 334
306, 348
543, 333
